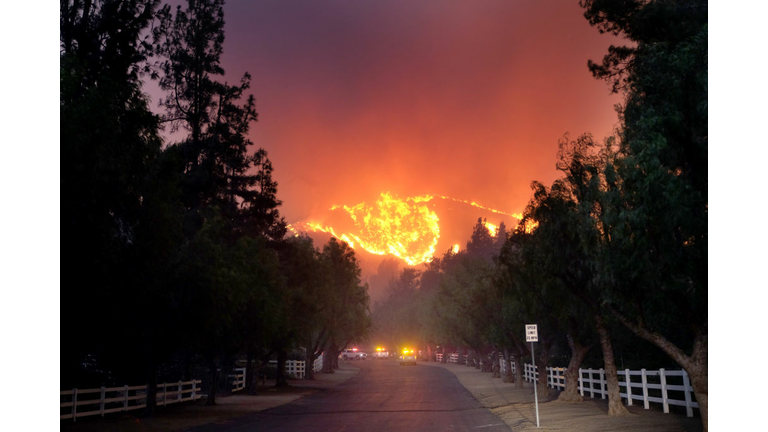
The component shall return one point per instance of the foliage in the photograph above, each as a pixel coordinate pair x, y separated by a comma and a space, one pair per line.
345, 301
109, 147
218, 170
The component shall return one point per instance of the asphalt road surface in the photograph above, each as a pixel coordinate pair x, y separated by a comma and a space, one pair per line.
384, 396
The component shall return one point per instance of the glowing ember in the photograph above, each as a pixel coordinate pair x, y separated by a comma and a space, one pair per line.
455, 249
493, 229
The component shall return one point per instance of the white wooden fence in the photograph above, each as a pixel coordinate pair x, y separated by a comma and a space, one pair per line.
238, 379
503, 366
297, 368
453, 358
592, 382
107, 400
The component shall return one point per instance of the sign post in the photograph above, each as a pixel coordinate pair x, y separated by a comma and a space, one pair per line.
532, 335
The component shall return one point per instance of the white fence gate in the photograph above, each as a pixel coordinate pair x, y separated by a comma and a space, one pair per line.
126, 398
592, 382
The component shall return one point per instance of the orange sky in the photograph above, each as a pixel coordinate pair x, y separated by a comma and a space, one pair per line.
465, 99
456, 98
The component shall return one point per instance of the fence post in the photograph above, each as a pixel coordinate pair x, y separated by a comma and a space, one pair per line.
688, 389
74, 404
602, 383
645, 389
194, 389
628, 381
101, 400
581, 384
591, 383
165, 399
180, 395
664, 391
551, 377
125, 398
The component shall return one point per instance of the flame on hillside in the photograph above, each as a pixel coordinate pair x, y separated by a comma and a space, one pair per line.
405, 228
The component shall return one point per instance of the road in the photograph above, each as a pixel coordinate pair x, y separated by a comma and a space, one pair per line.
384, 396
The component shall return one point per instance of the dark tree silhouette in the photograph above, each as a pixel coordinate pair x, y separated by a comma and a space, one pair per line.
112, 185
654, 209
228, 195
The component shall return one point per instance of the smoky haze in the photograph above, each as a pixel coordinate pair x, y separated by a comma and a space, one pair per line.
462, 99
466, 99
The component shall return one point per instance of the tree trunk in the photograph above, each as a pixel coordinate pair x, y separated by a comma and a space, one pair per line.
496, 361
615, 406
214, 376
542, 361
328, 356
251, 379
509, 377
697, 373
519, 370
578, 352
281, 380
151, 390
309, 367
695, 365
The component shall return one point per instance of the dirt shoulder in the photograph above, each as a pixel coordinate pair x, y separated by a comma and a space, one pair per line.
517, 409
187, 415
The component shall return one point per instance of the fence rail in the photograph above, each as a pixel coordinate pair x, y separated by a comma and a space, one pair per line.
238, 379
635, 384
105, 400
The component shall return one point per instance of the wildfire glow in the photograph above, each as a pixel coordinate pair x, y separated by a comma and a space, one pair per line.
531, 226
474, 204
405, 228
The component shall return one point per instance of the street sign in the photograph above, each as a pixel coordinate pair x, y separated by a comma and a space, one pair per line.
531, 333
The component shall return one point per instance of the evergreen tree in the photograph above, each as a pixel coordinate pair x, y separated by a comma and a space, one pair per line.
218, 169
228, 195
481, 244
